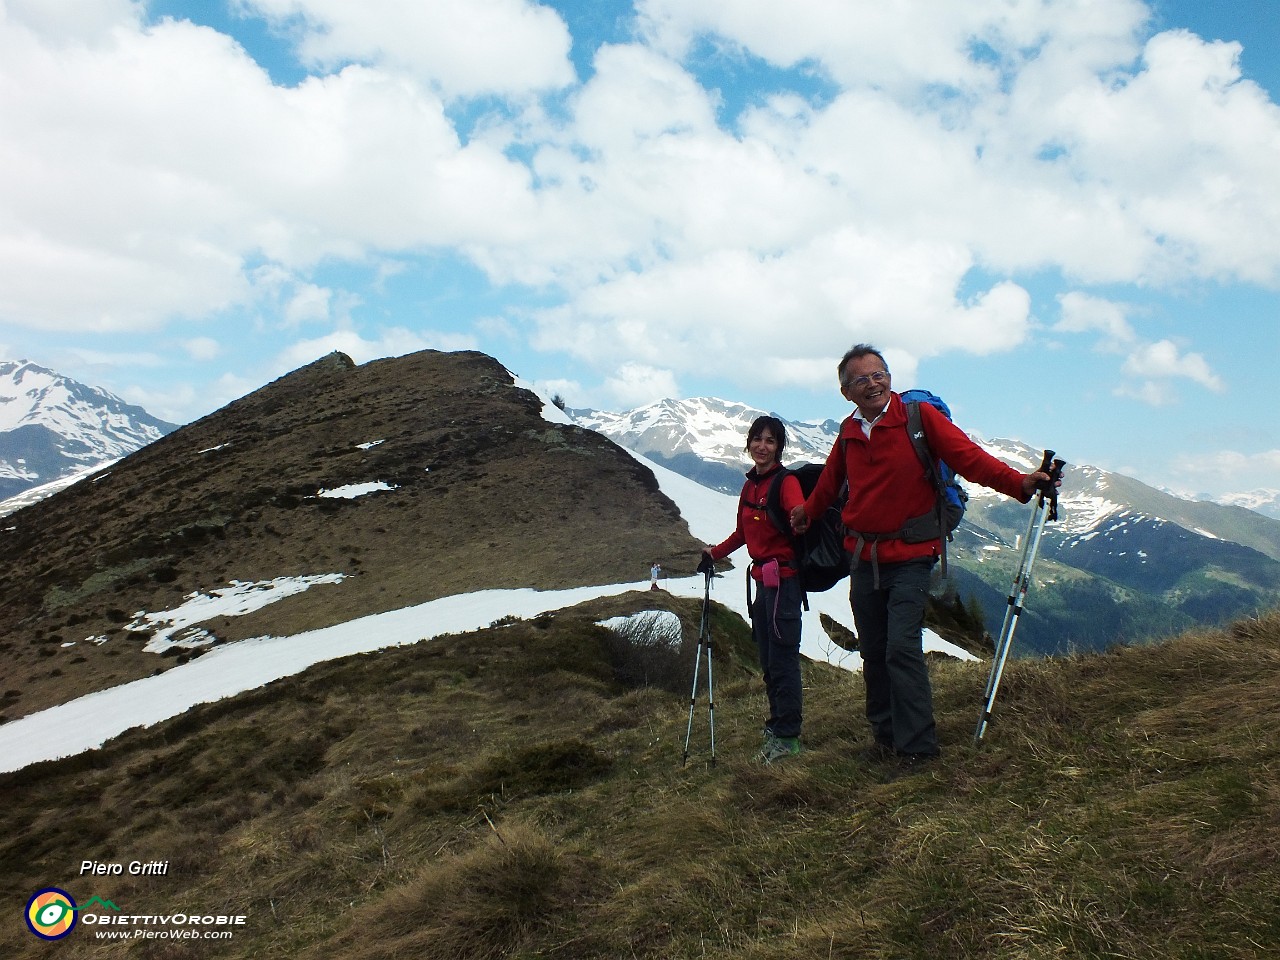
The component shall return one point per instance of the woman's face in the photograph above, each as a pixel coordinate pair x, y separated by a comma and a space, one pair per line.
763, 450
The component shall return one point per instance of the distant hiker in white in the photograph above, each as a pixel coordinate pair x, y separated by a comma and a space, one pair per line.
655, 572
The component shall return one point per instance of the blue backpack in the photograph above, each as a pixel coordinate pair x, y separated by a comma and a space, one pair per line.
951, 497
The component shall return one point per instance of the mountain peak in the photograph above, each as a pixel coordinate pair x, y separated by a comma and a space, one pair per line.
53, 427
708, 430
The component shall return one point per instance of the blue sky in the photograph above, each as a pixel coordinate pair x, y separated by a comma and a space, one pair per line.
1063, 215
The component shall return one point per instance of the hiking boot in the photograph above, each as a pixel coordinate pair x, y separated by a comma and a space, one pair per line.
769, 740
780, 749
912, 763
877, 753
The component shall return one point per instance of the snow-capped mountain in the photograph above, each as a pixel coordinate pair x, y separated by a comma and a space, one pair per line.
52, 427
1123, 561
711, 428
704, 438
1266, 502
713, 431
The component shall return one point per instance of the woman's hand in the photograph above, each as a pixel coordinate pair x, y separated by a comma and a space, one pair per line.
799, 520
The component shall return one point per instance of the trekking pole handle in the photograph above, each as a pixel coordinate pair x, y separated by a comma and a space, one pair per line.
1052, 466
1049, 488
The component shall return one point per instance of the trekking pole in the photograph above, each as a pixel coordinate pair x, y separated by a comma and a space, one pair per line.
1044, 508
711, 701
708, 568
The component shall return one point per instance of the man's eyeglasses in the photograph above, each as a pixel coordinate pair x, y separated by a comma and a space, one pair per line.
880, 376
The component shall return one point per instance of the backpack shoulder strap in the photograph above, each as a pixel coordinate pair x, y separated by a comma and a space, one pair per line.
742, 502
773, 503
920, 443
773, 507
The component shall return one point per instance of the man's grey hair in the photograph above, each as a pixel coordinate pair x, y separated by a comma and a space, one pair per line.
857, 352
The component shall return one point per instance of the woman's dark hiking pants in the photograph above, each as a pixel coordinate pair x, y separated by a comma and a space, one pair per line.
776, 629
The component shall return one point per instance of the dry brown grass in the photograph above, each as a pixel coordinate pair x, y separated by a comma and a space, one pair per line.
505, 794
519, 792
503, 895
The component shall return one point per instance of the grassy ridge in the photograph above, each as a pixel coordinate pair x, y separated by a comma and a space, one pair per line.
512, 793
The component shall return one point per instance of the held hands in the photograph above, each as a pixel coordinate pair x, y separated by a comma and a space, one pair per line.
799, 520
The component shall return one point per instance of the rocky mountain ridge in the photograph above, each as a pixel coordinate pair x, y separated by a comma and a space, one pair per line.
449, 480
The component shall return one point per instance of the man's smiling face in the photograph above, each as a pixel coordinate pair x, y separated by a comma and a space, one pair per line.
867, 383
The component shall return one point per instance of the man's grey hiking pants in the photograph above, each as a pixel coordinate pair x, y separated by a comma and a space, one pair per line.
890, 622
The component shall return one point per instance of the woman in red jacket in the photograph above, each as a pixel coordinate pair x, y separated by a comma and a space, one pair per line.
775, 611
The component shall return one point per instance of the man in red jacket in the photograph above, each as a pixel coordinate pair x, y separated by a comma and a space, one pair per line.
889, 496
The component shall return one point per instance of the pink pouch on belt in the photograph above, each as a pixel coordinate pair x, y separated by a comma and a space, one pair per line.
769, 576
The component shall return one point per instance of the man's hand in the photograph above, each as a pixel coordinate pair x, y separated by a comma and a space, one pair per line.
799, 520
1033, 482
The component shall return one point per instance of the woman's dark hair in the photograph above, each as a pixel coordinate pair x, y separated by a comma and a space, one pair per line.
774, 426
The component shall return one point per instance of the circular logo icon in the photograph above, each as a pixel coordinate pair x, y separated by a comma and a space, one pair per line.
51, 913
